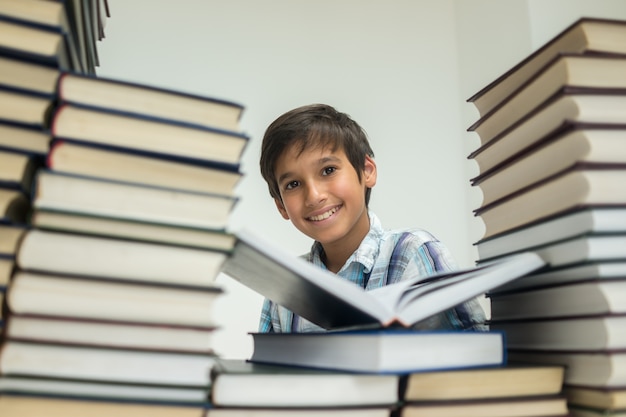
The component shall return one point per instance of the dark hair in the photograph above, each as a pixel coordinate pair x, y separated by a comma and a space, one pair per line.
313, 126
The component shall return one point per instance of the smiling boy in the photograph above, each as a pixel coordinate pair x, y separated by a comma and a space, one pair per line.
320, 171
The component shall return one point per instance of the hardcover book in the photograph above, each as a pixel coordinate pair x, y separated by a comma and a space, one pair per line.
587, 35
330, 302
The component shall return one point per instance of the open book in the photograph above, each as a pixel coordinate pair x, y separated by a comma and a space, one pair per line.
331, 302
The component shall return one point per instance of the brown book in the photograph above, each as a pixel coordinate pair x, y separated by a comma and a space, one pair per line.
147, 100
131, 201
565, 333
24, 138
600, 106
576, 143
602, 369
541, 406
91, 298
47, 43
584, 72
23, 106
147, 133
120, 164
237, 383
603, 398
585, 298
128, 334
107, 365
33, 406
10, 237
138, 261
17, 170
586, 271
584, 185
497, 382
536, 235
585, 36
28, 74
133, 230
14, 206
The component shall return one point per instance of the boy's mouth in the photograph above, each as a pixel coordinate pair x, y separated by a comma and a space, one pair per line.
323, 216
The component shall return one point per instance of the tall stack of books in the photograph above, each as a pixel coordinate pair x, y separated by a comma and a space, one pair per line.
552, 164
111, 284
36, 42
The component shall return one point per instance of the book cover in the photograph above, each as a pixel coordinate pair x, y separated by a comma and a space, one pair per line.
581, 249
600, 106
148, 100
20, 137
584, 186
86, 297
573, 299
586, 221
28, 74
494, 382
564, 71
60, 221
600, 369
154, 134
128, 334
586, 271
587, 35
577, 333
124, 164
131, 201
240, 383
576, 144
396, 351
90, 255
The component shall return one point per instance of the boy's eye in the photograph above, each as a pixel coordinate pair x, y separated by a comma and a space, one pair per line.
328, 170
291, 185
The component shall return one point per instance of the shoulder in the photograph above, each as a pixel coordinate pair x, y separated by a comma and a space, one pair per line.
421, 247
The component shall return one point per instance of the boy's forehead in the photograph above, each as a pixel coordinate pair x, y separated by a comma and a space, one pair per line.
299, 150
299, 147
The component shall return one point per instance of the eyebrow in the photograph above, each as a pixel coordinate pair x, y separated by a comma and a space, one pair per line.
322, 161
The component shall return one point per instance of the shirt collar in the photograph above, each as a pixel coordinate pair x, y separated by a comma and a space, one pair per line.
365, 254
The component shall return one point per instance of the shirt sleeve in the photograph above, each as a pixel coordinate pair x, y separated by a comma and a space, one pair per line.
265, 322
429, 256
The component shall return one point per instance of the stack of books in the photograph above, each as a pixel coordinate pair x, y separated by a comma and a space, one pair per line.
110, 286
522, 390
552, 165
243, 388
35, 44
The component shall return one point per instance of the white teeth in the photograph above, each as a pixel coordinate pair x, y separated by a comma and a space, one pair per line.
324, 215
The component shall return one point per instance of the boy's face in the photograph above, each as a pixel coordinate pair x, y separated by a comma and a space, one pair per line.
322, 196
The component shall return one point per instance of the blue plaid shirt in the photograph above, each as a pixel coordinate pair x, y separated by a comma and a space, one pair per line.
385, 257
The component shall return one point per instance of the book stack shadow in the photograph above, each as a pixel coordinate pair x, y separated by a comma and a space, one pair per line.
110, 290
552, 169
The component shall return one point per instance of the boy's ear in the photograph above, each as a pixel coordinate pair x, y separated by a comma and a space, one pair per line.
281, 208
369, 172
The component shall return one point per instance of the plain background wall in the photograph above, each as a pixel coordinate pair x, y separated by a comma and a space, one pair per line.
402, 69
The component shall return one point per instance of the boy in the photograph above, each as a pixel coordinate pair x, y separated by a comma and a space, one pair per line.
320, 170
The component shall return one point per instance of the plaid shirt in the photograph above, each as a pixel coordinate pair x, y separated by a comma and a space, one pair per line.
385, 257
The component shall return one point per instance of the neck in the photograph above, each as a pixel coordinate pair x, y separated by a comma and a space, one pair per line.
336, 253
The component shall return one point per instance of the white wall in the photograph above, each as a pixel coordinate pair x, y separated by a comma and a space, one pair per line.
401, 68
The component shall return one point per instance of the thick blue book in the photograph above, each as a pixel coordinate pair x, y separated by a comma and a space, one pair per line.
399, 351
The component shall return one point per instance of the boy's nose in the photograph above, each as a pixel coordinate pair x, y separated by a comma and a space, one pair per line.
315, 195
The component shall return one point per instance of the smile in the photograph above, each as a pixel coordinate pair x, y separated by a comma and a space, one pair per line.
324, 216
